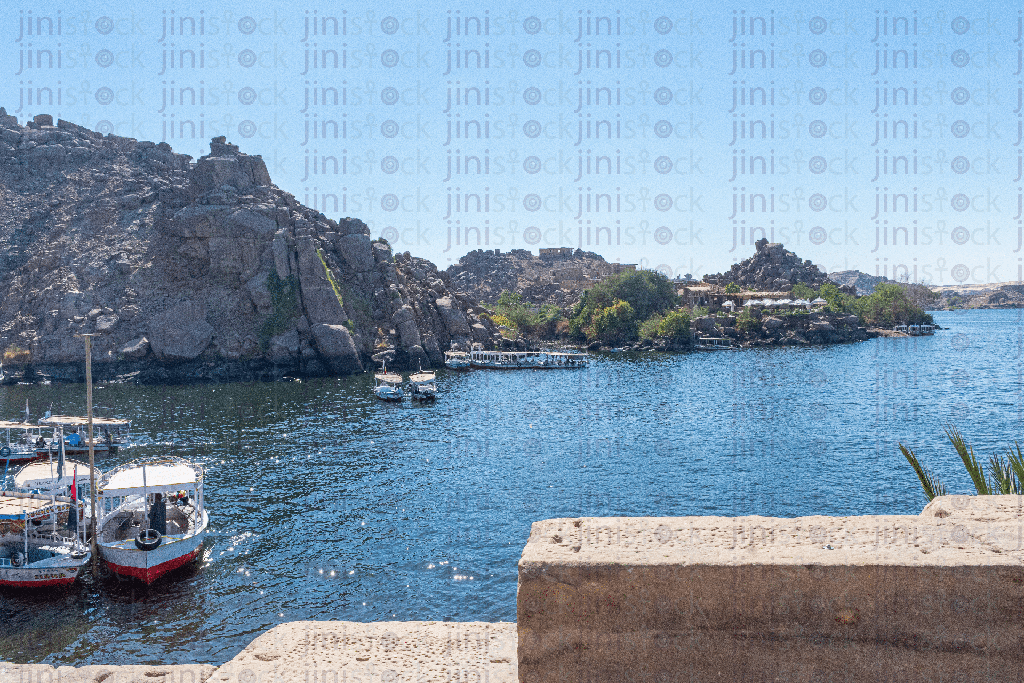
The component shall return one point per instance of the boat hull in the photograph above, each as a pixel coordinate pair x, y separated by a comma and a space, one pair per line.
125, 559
79, 451
23, 458
57, 574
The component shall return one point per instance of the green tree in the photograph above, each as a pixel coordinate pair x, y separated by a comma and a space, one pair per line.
732, 288
748, 321
802, 291
838, 302
889, 305
649, 328
675, 326
524, 317
646, 291
615, 324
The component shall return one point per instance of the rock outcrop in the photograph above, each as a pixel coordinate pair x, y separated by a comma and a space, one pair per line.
558, 277
771, 268
861, 282
197, 270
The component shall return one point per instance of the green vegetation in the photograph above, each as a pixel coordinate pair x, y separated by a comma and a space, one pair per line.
732, 288
284, 296
615, 324
675, 326
330, 278
957, 301
15, 355
888, 305
748, 321
647, 293
649, 329
1005, 476
802, 291
513, 312
838, 302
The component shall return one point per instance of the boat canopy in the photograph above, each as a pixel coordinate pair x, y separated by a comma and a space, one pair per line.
35, 474
422, 377
24, 505
7, 424
77, 421
390, 378
161, 476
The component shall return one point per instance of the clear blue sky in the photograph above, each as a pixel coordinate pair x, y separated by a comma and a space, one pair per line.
606, 126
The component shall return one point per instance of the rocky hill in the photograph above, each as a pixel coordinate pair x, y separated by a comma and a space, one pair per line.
556, 277
862, 282
994, 295
771, 268
197, 270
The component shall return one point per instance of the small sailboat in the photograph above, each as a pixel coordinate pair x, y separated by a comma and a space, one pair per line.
422, 386
152, 517
388, 386
40, 543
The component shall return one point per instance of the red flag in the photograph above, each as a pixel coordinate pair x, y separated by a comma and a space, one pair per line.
74, 486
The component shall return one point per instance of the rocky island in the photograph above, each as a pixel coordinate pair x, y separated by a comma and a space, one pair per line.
205, 270
197, 270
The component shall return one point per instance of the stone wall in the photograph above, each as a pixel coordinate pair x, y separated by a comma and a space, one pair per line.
902, 598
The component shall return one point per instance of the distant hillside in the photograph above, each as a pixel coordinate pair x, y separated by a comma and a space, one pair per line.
993, 295
557, 276
864, 283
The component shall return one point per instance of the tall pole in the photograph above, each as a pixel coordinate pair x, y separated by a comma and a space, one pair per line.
92, 453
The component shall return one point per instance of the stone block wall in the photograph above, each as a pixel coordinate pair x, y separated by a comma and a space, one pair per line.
904, 598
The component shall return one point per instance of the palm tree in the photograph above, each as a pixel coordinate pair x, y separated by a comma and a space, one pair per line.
1005, 475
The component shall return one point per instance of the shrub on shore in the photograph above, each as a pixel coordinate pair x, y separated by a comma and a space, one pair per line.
515, 313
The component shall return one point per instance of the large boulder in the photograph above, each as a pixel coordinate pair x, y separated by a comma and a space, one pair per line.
704, 324
453, 318
336, 348
357, 251
180, 333
318, 295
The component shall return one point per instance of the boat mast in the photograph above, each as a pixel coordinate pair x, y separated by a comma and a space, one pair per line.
92, 454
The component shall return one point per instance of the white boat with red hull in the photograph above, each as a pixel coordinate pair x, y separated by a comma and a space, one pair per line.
152, 517
40, 542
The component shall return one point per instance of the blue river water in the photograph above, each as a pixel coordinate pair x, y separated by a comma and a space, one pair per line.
328, 504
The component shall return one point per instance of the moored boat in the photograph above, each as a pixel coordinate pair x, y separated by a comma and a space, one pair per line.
456, 360
21, 442
422, 386
388, 386
109, 434
152, 517
40, 544
48, 477
714, 344
509, 360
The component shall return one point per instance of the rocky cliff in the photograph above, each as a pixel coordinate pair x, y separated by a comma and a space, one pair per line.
771, 268
197, 270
